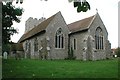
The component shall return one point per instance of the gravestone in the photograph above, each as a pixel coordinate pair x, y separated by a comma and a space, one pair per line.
5, 54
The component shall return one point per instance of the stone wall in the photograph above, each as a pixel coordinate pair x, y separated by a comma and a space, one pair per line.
81, 43
99, 54
46, 42
57, 23
28, 47
85, 42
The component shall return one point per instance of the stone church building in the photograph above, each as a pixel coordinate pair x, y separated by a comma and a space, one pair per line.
52, 38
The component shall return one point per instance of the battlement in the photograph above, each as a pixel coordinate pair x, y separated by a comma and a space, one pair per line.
32, 22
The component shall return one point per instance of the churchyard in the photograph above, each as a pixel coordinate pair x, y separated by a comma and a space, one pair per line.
28, 68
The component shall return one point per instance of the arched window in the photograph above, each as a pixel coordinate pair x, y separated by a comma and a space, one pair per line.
35, 44
59, 39
99, 39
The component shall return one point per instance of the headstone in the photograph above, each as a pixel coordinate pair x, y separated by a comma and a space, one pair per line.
5, 54
115, 56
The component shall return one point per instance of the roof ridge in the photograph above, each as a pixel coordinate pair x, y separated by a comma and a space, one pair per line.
82, 19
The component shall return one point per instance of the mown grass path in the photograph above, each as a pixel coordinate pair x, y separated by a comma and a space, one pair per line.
27, 68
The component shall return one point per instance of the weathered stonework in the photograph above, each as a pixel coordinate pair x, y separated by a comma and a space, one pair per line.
82, 40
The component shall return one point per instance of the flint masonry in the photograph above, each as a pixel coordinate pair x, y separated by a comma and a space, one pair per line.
52, 38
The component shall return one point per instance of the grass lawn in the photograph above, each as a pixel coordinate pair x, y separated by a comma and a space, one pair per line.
27, 68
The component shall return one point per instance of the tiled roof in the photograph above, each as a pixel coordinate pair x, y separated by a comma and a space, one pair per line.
73, 27
41, 27
81, 24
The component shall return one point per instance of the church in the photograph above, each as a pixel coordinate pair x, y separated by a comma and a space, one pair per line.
52, 38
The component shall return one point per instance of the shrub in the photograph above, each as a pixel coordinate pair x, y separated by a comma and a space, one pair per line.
70, 54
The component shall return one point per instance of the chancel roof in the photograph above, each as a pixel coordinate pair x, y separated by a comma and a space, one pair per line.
81, 24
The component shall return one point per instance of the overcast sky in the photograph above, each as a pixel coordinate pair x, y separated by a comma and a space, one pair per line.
107, 9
